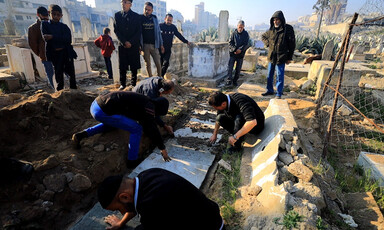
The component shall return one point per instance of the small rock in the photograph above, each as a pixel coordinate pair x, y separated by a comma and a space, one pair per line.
99, 148
55, 182
80, 183
285, 157
47, 163
225, 165
300, 171
69, 176
47, 204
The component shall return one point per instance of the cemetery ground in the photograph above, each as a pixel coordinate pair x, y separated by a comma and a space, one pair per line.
36, 126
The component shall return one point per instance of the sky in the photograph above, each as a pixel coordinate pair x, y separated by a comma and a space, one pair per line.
251, 11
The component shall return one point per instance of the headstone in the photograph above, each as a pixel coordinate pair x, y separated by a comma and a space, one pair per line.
328, 51
223, 26
95, 33
86, 28
66, 19
360, 49
178, 26
9, 27
111, 27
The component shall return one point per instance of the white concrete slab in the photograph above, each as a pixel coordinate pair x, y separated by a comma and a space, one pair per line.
187, 132
20, 60
374, 163
207, 124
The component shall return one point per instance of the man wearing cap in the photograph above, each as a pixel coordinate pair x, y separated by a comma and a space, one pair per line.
129, 111
37, 43
238, 44
162, 199
280, 40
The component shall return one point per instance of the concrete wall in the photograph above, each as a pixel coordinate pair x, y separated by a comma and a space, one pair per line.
208, 60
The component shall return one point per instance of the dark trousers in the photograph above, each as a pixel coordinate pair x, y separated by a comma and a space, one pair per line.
164, 60
126, 59
108, 64
63, 64
231, 63
232, 125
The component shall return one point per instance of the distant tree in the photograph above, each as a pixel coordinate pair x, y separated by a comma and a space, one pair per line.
320, 6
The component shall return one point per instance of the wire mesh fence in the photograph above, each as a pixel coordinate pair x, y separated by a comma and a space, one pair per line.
358, 123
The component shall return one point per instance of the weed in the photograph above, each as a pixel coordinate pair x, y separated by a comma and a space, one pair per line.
290, 220
3, 87
319, 169
320, 224
372, 66
174, 112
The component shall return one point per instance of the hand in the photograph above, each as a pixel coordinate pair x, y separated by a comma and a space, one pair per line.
190, 44
48, 37
114, 221
162, 49
237, 51
288, 62
232, 140
164, 153
127, 45
169, 129
213, 139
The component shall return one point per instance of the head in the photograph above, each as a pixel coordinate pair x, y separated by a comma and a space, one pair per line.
168, 87
106, 31
42, 13
240, 26
148, 9
56, 12
161, 106
116, 193
168, 19
276, 22
218, 100
126, 5
277, 19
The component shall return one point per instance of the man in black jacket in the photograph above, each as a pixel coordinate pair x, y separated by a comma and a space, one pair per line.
163, 200
238, 44
129, 111
280, 40
238, 114
127, 27
168, 31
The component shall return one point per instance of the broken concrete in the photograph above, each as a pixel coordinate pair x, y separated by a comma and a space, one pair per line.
374, 163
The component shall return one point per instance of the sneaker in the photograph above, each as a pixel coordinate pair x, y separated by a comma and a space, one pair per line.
77, 137
278, 97
267, 93
121, 87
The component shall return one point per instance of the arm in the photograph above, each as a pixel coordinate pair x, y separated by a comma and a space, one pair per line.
33, 37
63, 36
232, 45
265, 38
117, 28
215, 131
180, 36
117, 223
97, 42
248, 126
291, 43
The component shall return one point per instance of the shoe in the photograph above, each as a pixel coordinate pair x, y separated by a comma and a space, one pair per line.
77, 137
233, 149
278, 97
132, 163
267, 93
228, 83
235, 84
122, 87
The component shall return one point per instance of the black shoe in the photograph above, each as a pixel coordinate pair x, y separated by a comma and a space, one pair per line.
233, 149
235, 84
132, 163
121, 87
77, 137
267, 93
278, 97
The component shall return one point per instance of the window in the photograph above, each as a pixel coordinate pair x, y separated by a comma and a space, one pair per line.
19, 17
29, 17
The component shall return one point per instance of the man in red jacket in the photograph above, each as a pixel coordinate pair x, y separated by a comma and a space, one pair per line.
106, 44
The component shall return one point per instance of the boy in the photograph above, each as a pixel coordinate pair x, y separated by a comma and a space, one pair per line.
107, 47
59, 49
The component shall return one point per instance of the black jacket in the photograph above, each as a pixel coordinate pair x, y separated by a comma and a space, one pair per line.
168, 32
280, 41
238, 41
136, 107
127, 27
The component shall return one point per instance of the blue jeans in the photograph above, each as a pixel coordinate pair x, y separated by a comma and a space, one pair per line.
49, 71
279, 78
117, 121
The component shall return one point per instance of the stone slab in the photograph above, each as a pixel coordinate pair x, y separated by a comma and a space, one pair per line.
20, 60
374, 163
297, 71
251, 90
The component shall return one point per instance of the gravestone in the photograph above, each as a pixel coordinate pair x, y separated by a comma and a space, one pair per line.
328, 51
66, 19
112, 28
360, 49
223, 26
86, 28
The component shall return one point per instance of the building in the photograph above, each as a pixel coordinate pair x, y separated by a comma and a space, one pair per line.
204, 19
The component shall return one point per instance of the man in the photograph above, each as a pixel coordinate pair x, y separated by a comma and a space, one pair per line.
238, 114
154, 87
163, 200
151, 39
37, 43
280, 40
129, 111
105, 43
168, 31
127, 27
238, 44
59, 48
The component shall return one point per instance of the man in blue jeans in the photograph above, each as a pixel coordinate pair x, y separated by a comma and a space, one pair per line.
280, 40
129, 111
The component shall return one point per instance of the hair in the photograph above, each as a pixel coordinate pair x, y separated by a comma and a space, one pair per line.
42, 10
168, 85
161, 106
148, 4
108, 190
56, 8
169, 15
217, 98
241, 22
106, 30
